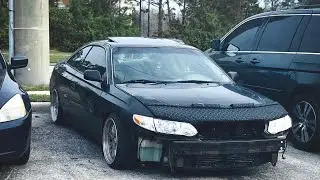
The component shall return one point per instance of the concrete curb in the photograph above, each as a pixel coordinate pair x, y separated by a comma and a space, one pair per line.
39, 92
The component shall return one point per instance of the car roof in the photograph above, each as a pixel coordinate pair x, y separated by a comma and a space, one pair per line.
141, 42
288, 12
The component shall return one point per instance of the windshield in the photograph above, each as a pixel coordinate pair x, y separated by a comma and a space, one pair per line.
136, 64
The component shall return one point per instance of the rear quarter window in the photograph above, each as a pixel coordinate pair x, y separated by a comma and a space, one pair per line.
311, 39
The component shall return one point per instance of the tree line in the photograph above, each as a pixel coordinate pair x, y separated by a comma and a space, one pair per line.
196, 22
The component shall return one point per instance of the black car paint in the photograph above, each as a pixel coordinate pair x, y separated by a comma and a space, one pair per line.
188, 94
14, 135
90, 103
277, 75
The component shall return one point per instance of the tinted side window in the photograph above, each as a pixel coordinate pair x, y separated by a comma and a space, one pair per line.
244, 35
76, 60
311, 39
96, 60
279, 33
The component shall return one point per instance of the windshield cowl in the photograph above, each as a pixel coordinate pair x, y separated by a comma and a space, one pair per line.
143, 81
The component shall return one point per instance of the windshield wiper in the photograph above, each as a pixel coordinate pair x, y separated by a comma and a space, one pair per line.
144, 81
197, 81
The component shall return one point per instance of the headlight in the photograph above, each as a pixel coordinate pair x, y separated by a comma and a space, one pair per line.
164, 126
279, 125
13, 109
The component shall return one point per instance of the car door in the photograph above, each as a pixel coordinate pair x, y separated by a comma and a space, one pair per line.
71, 68
306, 64
269, 63
236, 46
89, 92
66, 72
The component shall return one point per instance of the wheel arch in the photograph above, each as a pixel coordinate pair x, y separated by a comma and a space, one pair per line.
302, 90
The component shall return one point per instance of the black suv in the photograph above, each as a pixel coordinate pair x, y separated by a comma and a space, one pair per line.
278, 54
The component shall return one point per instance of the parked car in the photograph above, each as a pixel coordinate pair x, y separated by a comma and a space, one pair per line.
277, 54
15, 115
157, 100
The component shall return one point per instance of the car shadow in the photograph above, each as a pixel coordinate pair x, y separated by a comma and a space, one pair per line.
157, 169
154, 169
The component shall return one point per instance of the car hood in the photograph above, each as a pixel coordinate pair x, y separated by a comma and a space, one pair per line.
194, 94
204, 102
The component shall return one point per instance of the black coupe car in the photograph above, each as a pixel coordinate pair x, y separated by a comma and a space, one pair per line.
158, 100
15, 115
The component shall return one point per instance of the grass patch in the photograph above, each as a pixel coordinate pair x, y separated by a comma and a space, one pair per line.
39, 98
55, 56
36, 88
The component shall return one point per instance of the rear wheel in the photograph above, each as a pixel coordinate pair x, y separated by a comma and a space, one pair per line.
305, 123
118, 147
55, 108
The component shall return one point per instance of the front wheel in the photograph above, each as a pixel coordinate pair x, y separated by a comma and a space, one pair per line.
119, 149
55, 107
305, 123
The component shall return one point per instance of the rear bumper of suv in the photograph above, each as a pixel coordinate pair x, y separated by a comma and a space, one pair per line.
223, 154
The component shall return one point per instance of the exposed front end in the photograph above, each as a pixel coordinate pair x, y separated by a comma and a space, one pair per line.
251, 139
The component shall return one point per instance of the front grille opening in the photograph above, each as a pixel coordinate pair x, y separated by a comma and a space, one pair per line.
230, 160
236, 130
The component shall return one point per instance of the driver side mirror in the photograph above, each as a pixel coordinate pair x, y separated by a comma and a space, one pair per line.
18, 62
233, 75
215, 44
92, 75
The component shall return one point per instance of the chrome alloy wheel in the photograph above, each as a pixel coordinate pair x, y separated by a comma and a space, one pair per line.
110, 140
304, 121
54, 107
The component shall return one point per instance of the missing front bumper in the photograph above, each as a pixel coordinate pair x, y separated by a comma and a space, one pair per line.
223, 154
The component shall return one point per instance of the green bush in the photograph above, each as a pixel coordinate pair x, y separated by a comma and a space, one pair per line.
4, 39
71, 28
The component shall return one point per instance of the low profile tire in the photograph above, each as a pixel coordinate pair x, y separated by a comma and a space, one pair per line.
55, 108
305, 131
119, 149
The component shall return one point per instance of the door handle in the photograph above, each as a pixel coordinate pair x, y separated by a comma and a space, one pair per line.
255, 61
239, 60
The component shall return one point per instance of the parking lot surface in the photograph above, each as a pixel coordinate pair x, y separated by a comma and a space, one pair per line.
60, 152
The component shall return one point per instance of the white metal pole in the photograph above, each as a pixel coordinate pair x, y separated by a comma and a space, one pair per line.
31, 35
11, 30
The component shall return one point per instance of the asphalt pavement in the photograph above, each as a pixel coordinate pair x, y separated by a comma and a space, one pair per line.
60, 152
